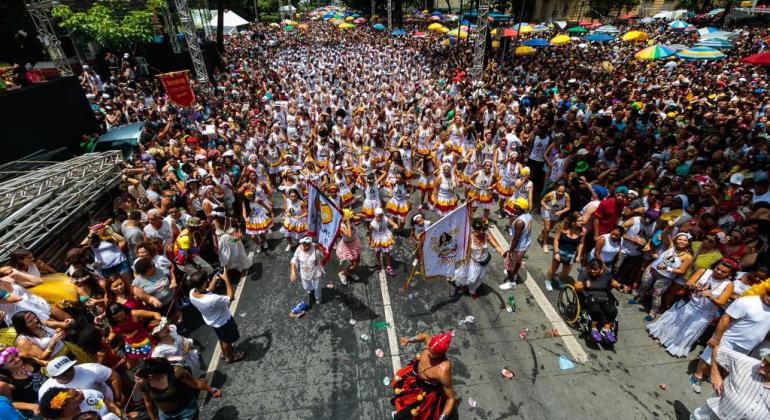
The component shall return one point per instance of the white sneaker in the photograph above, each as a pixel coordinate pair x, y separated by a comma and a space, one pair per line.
508, 285
258, 250
343, 278
264, 244
288, 248
548, 285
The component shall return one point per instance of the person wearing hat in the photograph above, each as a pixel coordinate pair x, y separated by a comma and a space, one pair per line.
65, 372
187, 249
258, 214
294, 218
348, 249
521, 238
59, 403
416, 385
308, 259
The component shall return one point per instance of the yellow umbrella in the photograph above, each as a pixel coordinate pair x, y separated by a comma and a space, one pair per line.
302, 26
634, 36
494, 32
443, 29
454, 32
559, 39
435, 26
349, 19
495, 44
524, 50
525, 29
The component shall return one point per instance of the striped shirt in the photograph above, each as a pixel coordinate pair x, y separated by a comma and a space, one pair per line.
744, 394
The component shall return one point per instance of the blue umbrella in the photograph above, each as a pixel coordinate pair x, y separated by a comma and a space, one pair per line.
535, 42
701, 53
379, 27
718, 43
397, 32
329, 15
599, 38
677, 24
436, 13
465, 22
518, 25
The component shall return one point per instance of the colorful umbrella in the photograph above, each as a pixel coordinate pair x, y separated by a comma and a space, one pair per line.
560, 39
535, 42
599, 38
509, 33
678, 25
701, 53
349, 19
519, 25
526, 29
379, 27
455, 32
707, 30
448, 41
585, 22
434, 18
359, 21
540, 28
634, 36
524, 50
435, 26
761, 59
718, 43
577, 30
654, 52
607, 29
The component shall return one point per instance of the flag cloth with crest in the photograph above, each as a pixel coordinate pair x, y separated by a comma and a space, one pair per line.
323, 218
446, 243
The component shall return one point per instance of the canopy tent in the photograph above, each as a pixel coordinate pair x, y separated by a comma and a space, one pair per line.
231, 22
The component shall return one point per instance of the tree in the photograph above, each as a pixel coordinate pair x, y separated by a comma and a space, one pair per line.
603, 8
113, 24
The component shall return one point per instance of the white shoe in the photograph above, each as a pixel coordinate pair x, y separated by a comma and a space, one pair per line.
508, 285
548, 286
288, 247
258, 250
343, 278
264, 244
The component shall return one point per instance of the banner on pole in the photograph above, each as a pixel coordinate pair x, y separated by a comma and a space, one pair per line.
446, 243
323, 218
178, 89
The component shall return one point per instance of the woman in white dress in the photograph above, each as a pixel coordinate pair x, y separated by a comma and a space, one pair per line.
679, 327
294, 219
172, 346
308, 259
470, 274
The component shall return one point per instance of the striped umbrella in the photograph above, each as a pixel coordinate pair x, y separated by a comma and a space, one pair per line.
654, 52
678, 25
607, 29
540, 28
700, 53
718, 43
519, 25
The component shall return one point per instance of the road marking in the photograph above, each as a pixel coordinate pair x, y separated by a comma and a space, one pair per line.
392, 341
214, 364
565, 332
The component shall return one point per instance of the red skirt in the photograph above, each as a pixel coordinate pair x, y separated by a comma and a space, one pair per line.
415, 398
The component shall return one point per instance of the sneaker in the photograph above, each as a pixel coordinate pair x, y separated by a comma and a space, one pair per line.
595, 335
343, 278
609, 336
548, 286
264, 245
288, 248
507, 285
258, 250
650, 318
695, 383
546, 249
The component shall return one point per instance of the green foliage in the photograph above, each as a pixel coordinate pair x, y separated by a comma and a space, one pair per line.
605, 8
112, 23
269, 17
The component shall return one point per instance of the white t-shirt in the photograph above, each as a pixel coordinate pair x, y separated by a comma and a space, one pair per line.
88, 377
29, 302
214, 308
751, 322
94, 401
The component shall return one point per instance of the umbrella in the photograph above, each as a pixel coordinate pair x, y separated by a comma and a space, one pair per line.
519, 25
455, 32
539, 28
448, 41
524, 50
419, 35
535, 42
288, 28
359, 21
435, 26
719, 34
434, 18
380, 27
647, 20
607, 29
397, 32
509, 33
577, 30
678, 47
654, 52
700, 53
560, 39
761, 59
678, 25
436, 13
349, 19
707, 30
526, 29
718, 43
599, 38
634, 36
585, 22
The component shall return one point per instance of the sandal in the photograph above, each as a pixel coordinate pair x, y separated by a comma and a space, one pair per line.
237, 357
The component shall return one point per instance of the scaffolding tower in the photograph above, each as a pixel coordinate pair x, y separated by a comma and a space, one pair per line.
39, 12
193, 45
36, 203
168, 22
390, 15
480, 40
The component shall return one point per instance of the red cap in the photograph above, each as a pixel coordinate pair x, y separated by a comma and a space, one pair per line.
439, 344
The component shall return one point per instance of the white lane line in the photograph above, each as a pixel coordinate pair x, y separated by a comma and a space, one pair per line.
575, 349
233, 306
392, 341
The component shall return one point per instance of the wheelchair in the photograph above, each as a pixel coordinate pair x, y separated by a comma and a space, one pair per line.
572, 308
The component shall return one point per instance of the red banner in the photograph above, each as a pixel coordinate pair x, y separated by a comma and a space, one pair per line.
178, 89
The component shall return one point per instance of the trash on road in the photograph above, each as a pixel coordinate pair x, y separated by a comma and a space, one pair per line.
379, 353
352, 321
242, 314
386, 381
507, 373
555, 332
472, 402
380, 324
662, 386
467, 320
523, 334
565, 363
364, 337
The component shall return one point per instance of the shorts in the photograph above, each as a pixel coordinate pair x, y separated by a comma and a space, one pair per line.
228, 333
188, 412
706, 355
567, 257
512, 259
115, 269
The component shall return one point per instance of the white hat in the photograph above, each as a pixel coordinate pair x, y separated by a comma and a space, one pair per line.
306, 240
736, 178
59, 365
125, 55
378, 211
582, 152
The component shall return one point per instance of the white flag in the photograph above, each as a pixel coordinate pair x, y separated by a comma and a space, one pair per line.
323, 218
446, 243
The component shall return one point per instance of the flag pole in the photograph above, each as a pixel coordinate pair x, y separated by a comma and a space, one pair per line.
413, 271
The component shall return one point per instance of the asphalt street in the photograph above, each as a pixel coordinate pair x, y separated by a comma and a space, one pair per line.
326, 366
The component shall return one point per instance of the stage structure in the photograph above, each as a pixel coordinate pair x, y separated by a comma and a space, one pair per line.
480, 40
193, 44
39, 11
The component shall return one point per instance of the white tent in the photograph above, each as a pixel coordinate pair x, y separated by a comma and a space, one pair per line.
231, 22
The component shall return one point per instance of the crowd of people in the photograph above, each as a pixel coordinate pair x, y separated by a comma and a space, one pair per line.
652, 178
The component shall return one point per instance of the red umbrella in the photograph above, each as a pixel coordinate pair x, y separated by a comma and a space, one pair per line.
761, 59
584, 22
629, 15
509, 33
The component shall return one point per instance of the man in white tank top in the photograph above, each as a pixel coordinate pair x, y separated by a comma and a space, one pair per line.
521, 238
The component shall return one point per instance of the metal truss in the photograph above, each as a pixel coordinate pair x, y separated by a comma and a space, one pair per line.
390, 15
168, 22
372, 14
188, 27
39, 12
35, 204
480, 40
